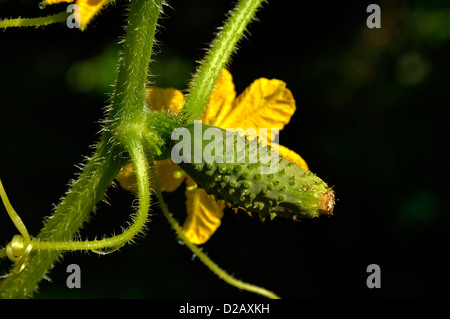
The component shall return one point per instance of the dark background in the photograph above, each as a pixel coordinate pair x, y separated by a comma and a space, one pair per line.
371, 120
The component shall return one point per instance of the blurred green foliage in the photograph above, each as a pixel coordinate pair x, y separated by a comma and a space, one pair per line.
371, 120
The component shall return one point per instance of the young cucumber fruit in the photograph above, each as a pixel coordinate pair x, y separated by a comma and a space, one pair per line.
250, 176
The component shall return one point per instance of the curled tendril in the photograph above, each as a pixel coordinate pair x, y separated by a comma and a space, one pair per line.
18, 250
15, 248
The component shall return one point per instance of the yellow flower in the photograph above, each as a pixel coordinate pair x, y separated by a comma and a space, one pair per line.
88, 9
264, 104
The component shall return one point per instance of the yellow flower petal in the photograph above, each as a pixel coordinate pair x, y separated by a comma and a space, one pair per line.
221, 100
164, 100
264, 104
88, 9
204, 215
168, 174
46, 2
291, 156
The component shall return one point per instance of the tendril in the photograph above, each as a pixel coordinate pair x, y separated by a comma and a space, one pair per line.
19, 251
222, 274
19, 248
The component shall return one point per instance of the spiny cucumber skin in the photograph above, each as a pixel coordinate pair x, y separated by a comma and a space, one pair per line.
290, 192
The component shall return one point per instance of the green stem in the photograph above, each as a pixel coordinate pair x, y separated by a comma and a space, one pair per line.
35, 22
128, 106
134, 62
218, 55
201, 255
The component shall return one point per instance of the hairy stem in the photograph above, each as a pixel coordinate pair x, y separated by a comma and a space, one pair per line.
134, 62
218, 55
128, 107
35, 22
222, 274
